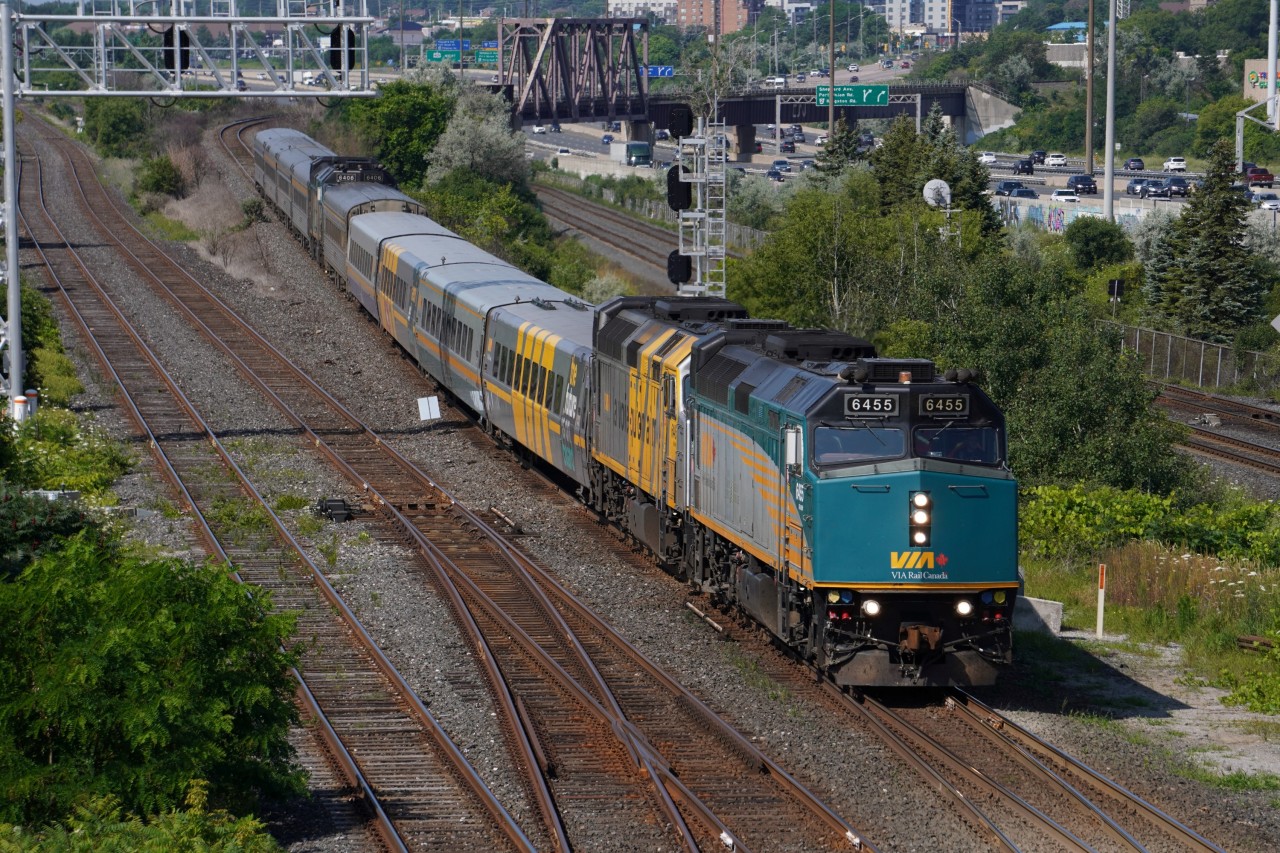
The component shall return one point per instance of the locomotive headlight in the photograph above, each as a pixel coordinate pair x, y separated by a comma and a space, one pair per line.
920, 516
964, 607
870, 607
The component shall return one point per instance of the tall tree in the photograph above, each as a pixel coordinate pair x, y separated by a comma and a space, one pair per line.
1213, 285
841, 149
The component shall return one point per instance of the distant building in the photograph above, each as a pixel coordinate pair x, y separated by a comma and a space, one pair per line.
665, 11
915, 17
410, 32
735, 15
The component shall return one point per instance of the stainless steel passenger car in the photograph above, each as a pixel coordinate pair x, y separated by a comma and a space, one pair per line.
283, 159
339, 202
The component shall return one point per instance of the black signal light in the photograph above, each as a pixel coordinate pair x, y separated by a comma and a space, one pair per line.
921, 519
680, 122
184, 49
679, 267
679, 193
345, 40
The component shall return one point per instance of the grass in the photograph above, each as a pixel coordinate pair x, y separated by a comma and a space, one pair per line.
284, 503
169, 229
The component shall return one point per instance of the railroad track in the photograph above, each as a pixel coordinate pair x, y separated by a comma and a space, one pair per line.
412, 780
655, 789
1211, 442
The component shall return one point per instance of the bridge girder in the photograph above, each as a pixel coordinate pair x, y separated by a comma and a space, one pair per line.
576, 68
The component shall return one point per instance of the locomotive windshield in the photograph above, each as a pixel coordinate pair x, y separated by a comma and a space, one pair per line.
956, 443
842, 445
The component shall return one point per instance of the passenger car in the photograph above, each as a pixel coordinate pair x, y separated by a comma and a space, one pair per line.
1259, 176
662, 134
774, 175
906, 64
1056, 160
563, 151
1023, 192
539, 128
1063, 196
1136, 185
1007, 187
781, 165
1025, 166
853, 66
987, 158
786, 146
1175, 164
1134, 164
1083, 184
606, 139
853, 78
1038, 156
821, 140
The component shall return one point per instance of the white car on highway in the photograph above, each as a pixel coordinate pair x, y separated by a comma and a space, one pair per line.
1175, 164
1056, 160
1064, 196
539, 128
987, 158
853, 66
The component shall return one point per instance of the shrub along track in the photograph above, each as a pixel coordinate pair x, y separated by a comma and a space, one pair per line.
723, 791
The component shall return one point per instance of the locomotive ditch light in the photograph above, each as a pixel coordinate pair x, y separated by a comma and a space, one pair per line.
964, 607
870, 607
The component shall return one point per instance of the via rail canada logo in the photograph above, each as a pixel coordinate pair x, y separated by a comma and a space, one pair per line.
916, 560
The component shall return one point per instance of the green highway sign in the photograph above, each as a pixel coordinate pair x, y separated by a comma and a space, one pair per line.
444, 56
854, 96
487, 56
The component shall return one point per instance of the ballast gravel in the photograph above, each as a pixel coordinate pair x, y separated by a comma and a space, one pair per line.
306, 316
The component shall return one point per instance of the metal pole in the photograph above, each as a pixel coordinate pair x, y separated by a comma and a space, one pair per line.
1088, 92
1109, 176
831, 67
16, 366
1273, 114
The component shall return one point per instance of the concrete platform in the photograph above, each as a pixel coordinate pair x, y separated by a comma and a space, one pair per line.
1037, 614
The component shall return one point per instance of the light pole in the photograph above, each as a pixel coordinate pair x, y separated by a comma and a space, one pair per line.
956, 21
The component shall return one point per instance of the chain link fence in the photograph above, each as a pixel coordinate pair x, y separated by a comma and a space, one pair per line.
1180, 359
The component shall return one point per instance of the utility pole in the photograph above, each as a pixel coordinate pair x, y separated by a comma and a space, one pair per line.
831, 70
1088, 93
1109, 175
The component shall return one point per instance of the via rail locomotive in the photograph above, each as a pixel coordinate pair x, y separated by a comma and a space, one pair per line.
858, 508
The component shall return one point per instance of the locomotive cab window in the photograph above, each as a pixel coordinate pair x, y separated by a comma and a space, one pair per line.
846, 445
956, 443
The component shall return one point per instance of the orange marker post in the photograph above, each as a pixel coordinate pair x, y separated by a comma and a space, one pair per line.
1102, 593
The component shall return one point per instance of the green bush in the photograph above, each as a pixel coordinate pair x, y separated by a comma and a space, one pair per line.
1258, 690
54, 451
1057, 522
160, 175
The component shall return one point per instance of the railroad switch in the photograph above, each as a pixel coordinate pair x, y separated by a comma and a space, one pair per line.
334, 509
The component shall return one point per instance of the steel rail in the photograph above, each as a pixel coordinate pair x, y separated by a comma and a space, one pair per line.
1013, 732
502, 819
382, 824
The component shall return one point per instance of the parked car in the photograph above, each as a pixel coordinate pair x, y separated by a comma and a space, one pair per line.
774, 175
662, 134
1023, 192
539, 128
988, 158
1007, 187
906, 64
1175, 164
1134, 164
606, 139
1056, 160
1136, 186
853, 66
1025, 166
1083, 184
1259, 176
782, 165
563, 151
1064, 196
1037, 157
